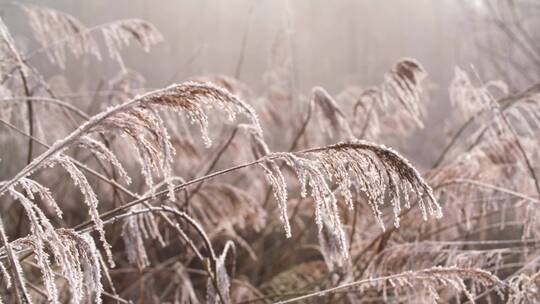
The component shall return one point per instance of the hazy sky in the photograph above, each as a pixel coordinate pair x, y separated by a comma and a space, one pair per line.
329, 43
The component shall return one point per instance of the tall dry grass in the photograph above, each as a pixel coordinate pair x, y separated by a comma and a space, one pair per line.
130, 194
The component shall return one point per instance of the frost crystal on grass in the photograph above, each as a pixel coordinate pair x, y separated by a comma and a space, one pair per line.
195, 97
105, 154
120, 33
372, 169
135, 230
403, 84
75, 255
276, 179
332, 112
30, 187
57, 32
18, 275
90, 199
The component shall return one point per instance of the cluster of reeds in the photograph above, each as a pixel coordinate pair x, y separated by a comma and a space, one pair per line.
319, 211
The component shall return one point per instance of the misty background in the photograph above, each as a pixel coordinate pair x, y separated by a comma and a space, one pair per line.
332, 44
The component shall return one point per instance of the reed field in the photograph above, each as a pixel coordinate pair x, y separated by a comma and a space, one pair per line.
209, 189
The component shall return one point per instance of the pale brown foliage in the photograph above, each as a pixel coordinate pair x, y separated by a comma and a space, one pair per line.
182, 220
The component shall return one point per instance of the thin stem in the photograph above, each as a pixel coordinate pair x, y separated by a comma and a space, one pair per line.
71, 138
160, 210
20, 291
53, 101
488, 186
506, 103
243, 45
518, 143
30, 114
163, 193
344, 286
214, 162
523, 153
76, 162
293, 146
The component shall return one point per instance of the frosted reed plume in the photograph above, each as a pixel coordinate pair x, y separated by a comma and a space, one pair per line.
50, 26
163, 184
59, 32
368, 167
